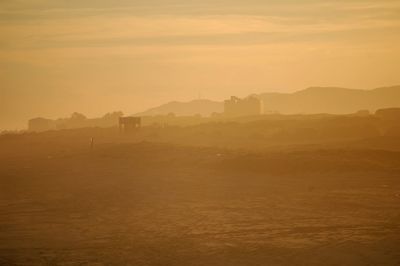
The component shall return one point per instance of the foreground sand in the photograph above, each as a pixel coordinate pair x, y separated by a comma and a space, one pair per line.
163, 204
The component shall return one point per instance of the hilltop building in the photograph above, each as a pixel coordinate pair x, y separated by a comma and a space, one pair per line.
40, 124
243, 107
129, 123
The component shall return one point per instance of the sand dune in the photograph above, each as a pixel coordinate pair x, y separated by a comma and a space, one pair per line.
149, 203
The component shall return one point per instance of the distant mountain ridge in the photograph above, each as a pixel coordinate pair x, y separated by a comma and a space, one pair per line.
202, 106
333, 100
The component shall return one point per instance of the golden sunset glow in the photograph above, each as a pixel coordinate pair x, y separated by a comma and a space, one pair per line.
200, 133
57, 57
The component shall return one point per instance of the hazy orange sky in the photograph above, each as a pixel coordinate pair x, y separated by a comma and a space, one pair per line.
96, 56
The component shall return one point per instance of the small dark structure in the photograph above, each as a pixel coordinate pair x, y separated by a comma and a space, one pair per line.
129, 123
40, 124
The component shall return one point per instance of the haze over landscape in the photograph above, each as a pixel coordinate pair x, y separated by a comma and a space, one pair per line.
58, 57
192, 133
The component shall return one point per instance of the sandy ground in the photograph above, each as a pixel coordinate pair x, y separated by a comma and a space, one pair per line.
161, 204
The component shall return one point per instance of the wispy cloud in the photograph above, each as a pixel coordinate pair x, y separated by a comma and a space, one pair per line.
29, 26
100, 30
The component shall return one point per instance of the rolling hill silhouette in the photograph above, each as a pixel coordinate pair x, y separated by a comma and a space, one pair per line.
312, 100
203, 107
331, 100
